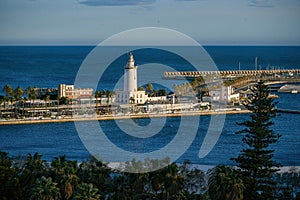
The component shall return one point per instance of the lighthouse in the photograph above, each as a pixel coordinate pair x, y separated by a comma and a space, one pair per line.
130, 93
130, 75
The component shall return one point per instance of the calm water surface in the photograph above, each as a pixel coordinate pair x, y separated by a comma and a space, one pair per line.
55, 139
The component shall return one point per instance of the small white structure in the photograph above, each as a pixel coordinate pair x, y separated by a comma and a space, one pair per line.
155, 99
225, 93
130, 94
126, 97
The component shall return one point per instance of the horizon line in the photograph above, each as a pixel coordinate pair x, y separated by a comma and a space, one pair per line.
206, 44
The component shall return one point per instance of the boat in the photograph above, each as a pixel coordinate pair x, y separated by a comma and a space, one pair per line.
290, 88
273, 96
294, 91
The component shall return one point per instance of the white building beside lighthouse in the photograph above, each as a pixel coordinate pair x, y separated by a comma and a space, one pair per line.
130, 93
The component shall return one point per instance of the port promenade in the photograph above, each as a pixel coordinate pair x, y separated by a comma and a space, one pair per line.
193, 74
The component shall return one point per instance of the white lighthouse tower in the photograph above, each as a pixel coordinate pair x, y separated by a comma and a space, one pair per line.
130, 93
130, 75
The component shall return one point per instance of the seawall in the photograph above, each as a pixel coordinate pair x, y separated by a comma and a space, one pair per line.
118, 117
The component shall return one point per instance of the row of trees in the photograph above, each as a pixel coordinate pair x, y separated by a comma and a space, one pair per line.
149, 89
16, 98
236, 82
17, 94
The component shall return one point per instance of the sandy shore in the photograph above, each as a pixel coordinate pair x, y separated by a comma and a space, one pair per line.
116, 117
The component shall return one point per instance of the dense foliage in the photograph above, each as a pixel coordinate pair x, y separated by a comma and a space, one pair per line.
34, 178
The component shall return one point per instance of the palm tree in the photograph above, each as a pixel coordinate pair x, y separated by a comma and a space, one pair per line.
46, 99
2, 100
9, 92
173, 180
108, 95
139, 183
140, 88
64, 172
45, 188
149, 88
31, 94
85, 191
9, 178
18, 93
34, 168
97, 95
224, 183
120, 188
97, 173
194, 179
167, 182
63, 101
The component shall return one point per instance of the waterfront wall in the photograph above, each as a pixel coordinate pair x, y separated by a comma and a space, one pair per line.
125, 116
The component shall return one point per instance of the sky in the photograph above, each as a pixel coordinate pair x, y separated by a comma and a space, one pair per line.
210, 22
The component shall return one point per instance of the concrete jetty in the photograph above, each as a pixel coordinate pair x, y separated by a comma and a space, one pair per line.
288, 111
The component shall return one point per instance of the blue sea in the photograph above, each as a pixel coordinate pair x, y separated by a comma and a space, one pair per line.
48, 66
